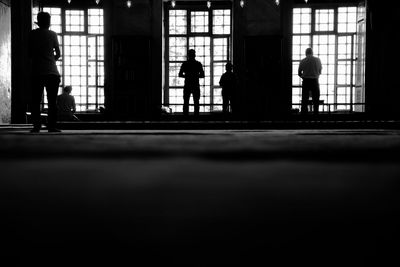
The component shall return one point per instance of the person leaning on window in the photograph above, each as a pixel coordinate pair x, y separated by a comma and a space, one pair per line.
310, 69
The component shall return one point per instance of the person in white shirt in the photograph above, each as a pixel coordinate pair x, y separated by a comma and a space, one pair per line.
44, 52
310, 69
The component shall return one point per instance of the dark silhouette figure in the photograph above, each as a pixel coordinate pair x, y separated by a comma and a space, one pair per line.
309, 70
228, 83
44, 51
66, 105
192, 71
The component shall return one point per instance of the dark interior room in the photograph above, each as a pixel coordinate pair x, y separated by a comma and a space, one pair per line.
199, 133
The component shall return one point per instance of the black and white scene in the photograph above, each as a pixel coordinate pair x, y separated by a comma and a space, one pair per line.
199, 133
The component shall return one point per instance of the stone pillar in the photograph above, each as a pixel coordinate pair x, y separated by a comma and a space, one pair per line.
5, 61
287, 22
156, 64
239, 20
21, 25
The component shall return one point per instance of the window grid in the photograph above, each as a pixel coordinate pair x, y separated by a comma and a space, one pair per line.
195, 29
347, 19
331, 35
95, 21
221, 21
199, 21
177, 21
74, 20
82, 54
324, 20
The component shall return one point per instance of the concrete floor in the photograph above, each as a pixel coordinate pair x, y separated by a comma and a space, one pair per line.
200, 197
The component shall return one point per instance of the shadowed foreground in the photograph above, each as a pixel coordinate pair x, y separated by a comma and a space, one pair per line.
200, 198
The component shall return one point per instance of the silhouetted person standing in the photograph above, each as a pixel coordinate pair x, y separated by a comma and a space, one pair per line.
228, 83
44, 51
192, 71
66, 105
309, 70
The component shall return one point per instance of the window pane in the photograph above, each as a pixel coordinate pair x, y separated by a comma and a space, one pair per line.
199, 21
95, 21
302, 20
177, 48
177, 21
222, 21
347, 19
74, 21
325, 20
174, 79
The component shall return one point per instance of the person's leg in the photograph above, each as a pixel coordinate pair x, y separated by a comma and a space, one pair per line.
304, 96
37, 94
315, 96
52, 83
225, 104
186, 98
196, 100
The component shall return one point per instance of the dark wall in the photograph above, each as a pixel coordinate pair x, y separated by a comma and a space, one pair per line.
141, 22
257, 51
5, 62
382, 65
21, 25
262, 18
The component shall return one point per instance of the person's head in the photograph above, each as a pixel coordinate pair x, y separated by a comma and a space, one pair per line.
228, 66
67, 89
192, 54
43, 20
309, 52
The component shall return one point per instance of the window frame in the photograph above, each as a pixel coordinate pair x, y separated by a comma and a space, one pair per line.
99, 59
335, 106
194, 7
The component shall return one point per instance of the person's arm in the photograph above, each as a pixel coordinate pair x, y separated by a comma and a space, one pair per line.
221, 81
201, 73
300, 71
73, 105
56, 48
182, 71
319, 66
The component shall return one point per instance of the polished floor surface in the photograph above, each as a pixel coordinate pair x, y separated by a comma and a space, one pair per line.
200, 197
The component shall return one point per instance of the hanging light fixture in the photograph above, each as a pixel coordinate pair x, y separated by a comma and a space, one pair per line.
97, 2
277, 2
69, 1
306, 1
173, 3
208, 4
129, 3
241, 3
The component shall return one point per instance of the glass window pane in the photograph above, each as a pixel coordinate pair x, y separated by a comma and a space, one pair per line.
324, 19
95, 21
74, 20
177, 48
199, 21
221, 49
222, 21
177, 21
301, 20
